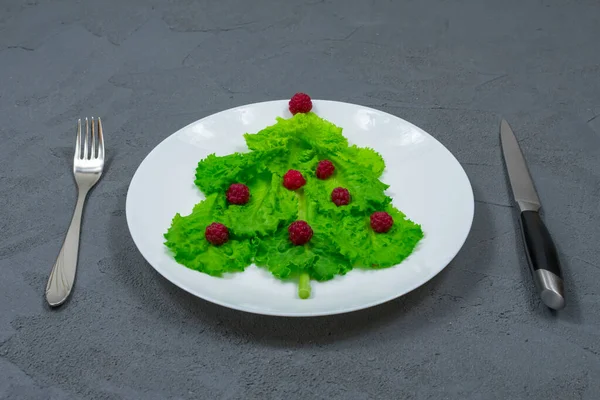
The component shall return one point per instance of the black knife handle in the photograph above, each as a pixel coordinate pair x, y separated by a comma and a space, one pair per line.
543, 259
538, 243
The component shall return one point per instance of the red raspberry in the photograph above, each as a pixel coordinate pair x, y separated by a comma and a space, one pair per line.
217, 233
381, 221
325, 169
238, 193
300, 232
340, 196
293, 180
300, 103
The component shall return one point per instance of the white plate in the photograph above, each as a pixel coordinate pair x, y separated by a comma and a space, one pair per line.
426, 182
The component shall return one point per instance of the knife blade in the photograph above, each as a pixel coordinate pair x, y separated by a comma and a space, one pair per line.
542, 256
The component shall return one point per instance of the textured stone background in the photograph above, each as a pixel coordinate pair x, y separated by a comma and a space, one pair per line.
477, 331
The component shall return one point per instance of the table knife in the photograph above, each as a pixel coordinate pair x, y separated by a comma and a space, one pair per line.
542, 256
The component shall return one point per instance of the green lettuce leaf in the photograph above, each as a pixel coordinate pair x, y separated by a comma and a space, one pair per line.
270, 206
185, 238
364, 157
368, 249
304, 130
214, 174
367, 192
319, 258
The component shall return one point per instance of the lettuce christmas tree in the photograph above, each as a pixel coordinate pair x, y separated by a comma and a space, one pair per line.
301, 203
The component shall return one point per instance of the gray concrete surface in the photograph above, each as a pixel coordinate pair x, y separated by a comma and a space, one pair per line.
477, 331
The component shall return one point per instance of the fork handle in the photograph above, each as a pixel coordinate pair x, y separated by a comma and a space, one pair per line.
62, 275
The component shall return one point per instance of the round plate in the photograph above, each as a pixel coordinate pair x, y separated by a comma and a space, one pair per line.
426, 182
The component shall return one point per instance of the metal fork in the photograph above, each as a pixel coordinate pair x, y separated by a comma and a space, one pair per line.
87, 168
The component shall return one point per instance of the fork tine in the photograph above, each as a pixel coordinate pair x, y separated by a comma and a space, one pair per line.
85, 141
93, 149
78, 140
100, 140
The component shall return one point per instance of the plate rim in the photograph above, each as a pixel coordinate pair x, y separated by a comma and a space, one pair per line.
299, 314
